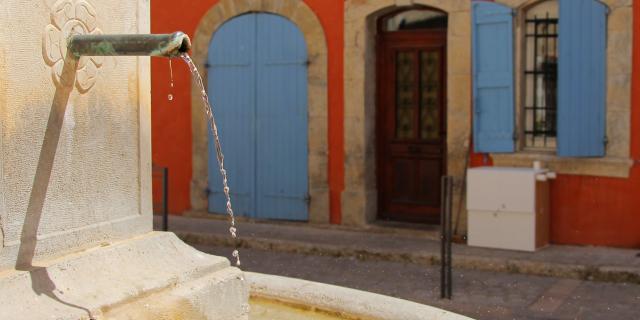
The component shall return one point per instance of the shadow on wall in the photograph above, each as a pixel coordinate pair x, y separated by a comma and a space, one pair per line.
41, 282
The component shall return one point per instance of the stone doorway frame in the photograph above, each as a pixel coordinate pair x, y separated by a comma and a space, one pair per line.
305, 19
359, 200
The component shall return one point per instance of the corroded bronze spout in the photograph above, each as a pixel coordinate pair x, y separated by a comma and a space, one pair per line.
158, 45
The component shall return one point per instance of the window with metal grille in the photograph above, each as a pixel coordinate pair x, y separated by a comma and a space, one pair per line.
541, 76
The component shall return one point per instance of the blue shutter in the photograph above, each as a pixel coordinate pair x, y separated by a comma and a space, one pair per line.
232, 90
282, 150
581, 78
493, 78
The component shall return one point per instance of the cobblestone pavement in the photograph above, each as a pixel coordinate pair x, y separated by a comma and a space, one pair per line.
478, 294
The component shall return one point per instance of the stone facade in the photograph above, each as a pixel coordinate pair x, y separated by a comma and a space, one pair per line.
359, 200
300, 14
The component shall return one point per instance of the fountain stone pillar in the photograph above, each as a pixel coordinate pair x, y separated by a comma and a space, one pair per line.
76, 239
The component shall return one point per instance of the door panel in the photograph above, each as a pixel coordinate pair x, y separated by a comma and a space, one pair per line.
282, 113
263, 116
428, 178
232, 93
411, 125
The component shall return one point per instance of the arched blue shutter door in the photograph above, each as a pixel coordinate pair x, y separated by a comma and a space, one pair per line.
493, 79
258, 85
581, 78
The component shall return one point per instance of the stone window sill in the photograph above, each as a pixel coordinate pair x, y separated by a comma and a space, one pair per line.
602, 167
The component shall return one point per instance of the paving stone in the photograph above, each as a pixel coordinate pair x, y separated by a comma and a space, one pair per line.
478, 294
416, 246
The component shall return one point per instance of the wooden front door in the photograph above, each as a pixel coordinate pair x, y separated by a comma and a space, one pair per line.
411, 124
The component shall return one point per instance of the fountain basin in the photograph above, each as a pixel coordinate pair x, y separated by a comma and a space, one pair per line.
151, 276
275, 297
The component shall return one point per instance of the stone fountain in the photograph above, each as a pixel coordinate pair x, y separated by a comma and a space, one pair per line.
76, 239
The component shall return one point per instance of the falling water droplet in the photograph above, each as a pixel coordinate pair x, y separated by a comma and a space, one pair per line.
170, 97
236, 255
171, 72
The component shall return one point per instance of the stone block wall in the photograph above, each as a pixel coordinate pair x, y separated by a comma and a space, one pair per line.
74, 140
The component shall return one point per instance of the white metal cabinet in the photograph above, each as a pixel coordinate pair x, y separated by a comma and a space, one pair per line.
508, 208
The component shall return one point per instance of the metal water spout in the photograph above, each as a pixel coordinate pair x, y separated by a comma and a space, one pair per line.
157, 45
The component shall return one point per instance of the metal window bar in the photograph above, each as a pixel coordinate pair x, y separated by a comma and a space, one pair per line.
543, 111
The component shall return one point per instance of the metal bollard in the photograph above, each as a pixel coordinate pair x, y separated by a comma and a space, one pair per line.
446, 230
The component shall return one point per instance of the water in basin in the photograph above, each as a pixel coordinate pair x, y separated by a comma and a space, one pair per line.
268, 309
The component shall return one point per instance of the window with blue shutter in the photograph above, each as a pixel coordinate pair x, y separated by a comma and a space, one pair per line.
493, 77
581, 78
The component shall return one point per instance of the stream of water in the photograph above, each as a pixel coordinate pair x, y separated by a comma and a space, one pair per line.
208, 110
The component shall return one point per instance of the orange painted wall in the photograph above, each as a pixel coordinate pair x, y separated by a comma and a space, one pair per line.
171, 120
